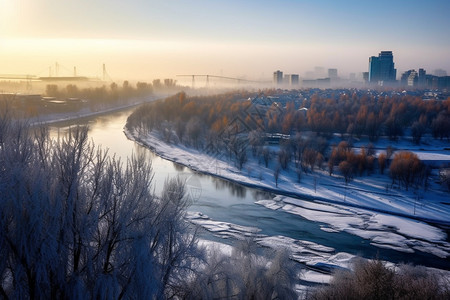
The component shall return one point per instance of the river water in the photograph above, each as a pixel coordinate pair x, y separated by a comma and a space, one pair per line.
224, 201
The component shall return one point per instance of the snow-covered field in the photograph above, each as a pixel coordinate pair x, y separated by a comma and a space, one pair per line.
367, 207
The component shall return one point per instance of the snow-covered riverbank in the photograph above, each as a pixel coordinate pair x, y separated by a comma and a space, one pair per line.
369, 192
366, 207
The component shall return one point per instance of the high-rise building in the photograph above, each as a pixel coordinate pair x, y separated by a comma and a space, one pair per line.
292, 79
405, 76
278, 77
333, 73
381, 68
422, 78
412, 78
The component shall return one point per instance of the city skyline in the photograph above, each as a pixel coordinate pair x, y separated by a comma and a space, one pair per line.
149, 39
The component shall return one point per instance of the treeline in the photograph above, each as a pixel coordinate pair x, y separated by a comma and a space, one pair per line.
111, 92
226, 124
390, 116
349, 116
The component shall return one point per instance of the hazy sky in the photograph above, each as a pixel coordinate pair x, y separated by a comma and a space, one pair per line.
145, 39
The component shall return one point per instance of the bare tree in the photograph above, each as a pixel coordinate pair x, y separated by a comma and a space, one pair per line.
382, 162
347, 171
276, 174
246, 275
417, 131
407, 169
266, 156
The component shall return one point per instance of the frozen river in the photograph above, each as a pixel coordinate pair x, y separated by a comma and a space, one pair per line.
227, 210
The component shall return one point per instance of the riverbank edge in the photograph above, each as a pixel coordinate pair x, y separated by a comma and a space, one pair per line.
58, 118
445, 225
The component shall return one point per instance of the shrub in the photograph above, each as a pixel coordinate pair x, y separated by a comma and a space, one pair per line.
372, 279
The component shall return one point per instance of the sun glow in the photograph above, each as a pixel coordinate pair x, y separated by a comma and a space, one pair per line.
7, 10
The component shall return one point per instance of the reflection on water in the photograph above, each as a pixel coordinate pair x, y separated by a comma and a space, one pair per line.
261, 195
235, 189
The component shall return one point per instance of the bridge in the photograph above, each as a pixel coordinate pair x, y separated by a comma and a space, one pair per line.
18, 77
207, 77
56, 77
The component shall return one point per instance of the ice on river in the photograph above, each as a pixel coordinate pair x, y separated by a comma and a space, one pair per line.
383, 230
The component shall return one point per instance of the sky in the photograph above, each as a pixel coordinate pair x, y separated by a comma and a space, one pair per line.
147, 39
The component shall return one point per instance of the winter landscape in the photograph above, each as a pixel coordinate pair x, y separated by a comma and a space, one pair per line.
224, 150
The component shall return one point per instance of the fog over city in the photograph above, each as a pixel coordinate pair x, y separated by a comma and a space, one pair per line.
250, 39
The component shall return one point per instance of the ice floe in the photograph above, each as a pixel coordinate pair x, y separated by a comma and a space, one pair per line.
383, 230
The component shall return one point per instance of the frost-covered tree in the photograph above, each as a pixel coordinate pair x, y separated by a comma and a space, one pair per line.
373, 279
78, 223
246, 275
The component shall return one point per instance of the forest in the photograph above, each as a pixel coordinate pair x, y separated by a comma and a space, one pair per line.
241, 123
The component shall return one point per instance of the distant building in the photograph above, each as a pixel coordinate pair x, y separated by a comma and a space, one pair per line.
440, 72
323, 82
438, 82
278, 77
365, 76
422, 78
333, 73
406, 76
319, 72
316, 83
381, 69
292, 79
413, 79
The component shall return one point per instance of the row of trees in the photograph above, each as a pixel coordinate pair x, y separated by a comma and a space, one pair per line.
373, 117
111, 93
226, 125
390, 116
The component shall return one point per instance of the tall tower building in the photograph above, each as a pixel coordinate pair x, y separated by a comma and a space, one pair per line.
278, 77
422, 78
381, 68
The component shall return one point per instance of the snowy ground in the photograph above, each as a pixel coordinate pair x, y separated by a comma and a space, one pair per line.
370, 192
367, 207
